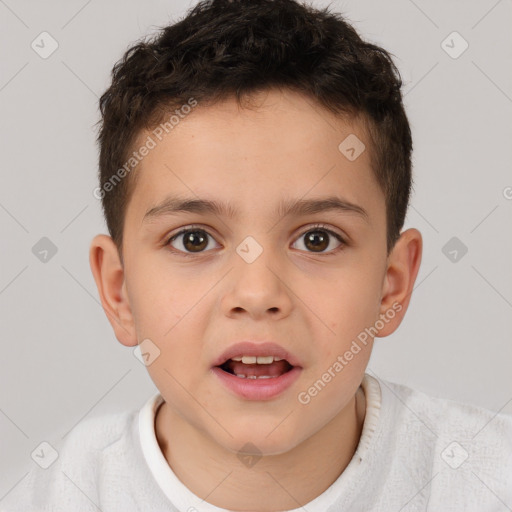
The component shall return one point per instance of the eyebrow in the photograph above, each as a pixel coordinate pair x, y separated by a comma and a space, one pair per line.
174, 205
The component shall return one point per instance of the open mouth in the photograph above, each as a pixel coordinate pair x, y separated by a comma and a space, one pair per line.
269, 370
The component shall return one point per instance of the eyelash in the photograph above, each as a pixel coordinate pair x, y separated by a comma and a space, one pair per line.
315, 227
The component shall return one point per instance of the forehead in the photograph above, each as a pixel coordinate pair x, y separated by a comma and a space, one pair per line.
284, 147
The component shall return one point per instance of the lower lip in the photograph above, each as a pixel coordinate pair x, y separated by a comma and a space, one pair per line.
257, 389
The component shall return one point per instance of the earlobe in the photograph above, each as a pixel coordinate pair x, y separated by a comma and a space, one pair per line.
402, 269
110, 280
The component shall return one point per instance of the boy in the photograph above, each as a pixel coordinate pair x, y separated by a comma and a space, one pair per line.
255, 174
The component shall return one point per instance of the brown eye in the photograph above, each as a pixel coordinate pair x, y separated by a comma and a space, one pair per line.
190, 240
195, 241
318, 239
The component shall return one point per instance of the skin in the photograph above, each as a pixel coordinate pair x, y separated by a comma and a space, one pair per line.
314, 304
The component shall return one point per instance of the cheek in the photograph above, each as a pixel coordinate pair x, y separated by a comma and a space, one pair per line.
162, 302
349, 308
350, 304
352, 314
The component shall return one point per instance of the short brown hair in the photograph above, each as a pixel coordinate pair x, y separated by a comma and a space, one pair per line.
224, 48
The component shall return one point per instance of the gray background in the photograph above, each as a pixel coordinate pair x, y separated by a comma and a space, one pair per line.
61, 361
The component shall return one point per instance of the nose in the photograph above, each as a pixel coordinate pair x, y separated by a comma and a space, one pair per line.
259, 288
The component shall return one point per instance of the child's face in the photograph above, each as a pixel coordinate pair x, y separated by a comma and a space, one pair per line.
194, 297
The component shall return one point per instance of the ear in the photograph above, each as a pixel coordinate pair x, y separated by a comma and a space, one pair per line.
402, 268
109, 276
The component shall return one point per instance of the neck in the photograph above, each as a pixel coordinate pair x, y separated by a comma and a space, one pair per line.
217, 476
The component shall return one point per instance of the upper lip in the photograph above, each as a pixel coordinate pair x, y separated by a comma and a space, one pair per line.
249, 348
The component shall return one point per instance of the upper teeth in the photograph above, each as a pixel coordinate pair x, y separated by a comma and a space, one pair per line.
257, 359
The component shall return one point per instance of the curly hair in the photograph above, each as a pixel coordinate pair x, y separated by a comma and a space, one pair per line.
232, 48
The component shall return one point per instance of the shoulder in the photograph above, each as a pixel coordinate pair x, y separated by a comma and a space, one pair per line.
70, 470
445, 415
97, 433
467, 448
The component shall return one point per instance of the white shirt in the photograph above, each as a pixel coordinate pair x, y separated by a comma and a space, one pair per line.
416, 453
